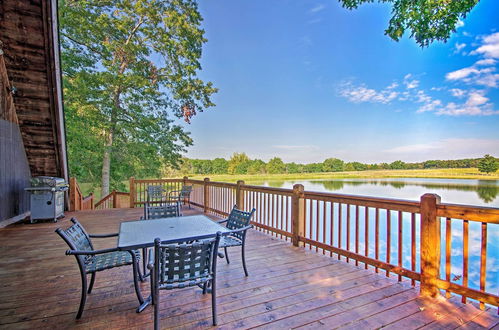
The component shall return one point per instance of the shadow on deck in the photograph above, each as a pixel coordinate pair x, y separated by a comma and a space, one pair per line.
288, 287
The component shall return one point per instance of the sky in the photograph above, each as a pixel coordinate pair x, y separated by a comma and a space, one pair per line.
309, 80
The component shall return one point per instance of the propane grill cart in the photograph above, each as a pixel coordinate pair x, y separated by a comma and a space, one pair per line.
47, 197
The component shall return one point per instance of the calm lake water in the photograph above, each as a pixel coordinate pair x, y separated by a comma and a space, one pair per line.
459, 191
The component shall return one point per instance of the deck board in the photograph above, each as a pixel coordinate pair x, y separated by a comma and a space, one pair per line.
288, 287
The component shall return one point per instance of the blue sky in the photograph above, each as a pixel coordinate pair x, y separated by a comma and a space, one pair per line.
309, 80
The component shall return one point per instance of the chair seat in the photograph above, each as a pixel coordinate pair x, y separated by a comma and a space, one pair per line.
110, 260
227, 241
185, 284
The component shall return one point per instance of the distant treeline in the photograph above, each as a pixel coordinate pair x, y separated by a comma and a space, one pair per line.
240, 163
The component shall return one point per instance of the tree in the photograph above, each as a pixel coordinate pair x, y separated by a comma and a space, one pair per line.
220, 166
488, 164
426, 20
333, 165
127, 65
397, 165
238, 163
257, 166
275, 166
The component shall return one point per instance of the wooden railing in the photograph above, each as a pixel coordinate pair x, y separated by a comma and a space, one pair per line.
77, 201
398, 237
114, 200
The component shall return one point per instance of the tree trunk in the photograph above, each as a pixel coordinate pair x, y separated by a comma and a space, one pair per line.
108, 145
106, 164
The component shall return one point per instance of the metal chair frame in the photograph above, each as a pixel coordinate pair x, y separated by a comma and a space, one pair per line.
81, 247
181, 196
182, 265
239, 222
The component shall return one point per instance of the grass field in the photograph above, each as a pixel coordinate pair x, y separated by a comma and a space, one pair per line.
450, 173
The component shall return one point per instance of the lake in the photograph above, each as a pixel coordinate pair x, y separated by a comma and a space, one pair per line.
459, 191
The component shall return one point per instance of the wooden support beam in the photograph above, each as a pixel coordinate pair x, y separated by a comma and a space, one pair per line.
240, 195
298, 213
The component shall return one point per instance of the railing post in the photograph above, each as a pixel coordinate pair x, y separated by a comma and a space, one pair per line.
115, 202
206, 197
430, 245
240, 195
92, 206
132, 192
72, 194
297, 213
184, 180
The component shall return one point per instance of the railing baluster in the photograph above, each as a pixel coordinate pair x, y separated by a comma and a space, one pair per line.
401, 229
366, 234
339, 228
376, 238
483, 261
317, 218
324, 224
465, 256
310, 220
448, 242
348, 229
332, 227
413, 245
281, 219
356, 232
388, 238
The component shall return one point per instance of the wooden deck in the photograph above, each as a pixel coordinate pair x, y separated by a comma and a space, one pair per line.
288, 287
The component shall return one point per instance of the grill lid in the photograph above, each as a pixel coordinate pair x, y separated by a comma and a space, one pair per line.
47, 181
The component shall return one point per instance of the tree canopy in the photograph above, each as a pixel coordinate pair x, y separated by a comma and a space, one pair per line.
488, 164
425, 20
128, 66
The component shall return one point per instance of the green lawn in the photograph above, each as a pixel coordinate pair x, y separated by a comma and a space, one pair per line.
451, 173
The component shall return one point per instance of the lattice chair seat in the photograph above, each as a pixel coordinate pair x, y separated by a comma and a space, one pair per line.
110, 260
227, 241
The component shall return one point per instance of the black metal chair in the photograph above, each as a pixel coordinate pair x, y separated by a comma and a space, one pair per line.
181, 196
155, 196
238, 222
91, 261
177, 266
158, 212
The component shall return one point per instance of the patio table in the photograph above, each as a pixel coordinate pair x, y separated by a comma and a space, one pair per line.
141, 234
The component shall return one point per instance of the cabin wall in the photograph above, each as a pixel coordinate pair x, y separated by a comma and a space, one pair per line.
14, 174
14, 166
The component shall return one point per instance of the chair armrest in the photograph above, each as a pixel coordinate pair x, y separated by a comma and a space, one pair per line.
150, 262
80, 252
239, 230
222, 221
103, 235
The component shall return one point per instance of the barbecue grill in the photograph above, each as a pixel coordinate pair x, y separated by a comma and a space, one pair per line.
47, 197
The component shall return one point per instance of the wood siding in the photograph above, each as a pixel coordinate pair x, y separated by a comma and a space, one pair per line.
28, 38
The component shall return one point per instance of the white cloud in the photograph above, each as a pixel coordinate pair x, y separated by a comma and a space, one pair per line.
361, 93
458, 47
296, 147
445, 149
487, 61
485, 76
459, 24
461, 73
490, 46
456, 92
476, 105
317, 8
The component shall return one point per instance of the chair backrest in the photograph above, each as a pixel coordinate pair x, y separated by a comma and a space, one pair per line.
154, 193
163, 211
185, 192
77, 238
185, 264
239, 219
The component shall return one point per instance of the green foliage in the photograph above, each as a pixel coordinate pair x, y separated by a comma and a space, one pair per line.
425, 20
488, 164
276, 165
257, 166
333, 165
398, 165
238, 163
127, 66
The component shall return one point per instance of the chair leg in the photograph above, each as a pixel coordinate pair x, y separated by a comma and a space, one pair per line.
226, 255
205, 287
144, 263
92, 281
83, 295
155, 298
244, 260
136, 274
214, 300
